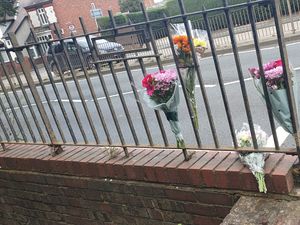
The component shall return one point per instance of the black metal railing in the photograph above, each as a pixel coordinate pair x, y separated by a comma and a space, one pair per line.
77, 96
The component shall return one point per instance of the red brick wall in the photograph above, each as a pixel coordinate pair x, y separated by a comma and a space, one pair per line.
68, 12
64, 200
86, 186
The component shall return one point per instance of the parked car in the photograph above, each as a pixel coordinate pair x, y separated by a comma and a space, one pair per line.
106, 50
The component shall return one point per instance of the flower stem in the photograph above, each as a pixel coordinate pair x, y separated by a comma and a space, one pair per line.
260, 177
180, 143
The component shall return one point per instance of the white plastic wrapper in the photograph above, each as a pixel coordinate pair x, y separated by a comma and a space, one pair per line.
171, 111
255, 161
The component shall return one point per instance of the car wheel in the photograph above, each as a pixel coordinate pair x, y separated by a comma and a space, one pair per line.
90, 62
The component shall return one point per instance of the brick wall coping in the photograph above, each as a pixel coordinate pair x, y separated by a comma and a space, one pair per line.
211, 169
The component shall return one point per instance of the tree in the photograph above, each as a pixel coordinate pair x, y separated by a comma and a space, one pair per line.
7, 8
130, 5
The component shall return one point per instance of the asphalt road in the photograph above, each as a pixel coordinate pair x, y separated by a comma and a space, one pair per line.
231, 82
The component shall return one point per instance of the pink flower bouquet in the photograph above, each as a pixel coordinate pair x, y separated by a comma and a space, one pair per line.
276, 85
162, 94
273, 72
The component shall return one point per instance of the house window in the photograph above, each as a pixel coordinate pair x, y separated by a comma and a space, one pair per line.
44, 38
3, 53
44, 47
4, 56
42, 16
8, 44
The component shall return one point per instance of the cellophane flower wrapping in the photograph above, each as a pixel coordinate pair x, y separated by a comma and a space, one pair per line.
162, 93
276, 87
186, 63
255, 161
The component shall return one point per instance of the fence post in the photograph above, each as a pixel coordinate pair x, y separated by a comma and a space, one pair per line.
291, 16
3, 147
56, 148
287, 72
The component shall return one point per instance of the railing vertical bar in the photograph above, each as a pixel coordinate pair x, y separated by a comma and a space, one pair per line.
79, 89
26, 98
247, 19
94, 96
123, 102
11, 127
199, 75
240, 74
160, 66
41, 83
110, 105
218, 22
273, 28
138, 101
144, 71
3, 129
13, 108
196, 131
136, 95
63, 80
39, 104
220, 79
58, 95
260, 63
56, 92
287, 75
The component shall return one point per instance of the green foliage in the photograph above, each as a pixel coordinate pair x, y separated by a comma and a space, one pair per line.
7, 8
136, 17
130, 5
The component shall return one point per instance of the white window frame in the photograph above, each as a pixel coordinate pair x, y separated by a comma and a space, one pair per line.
42, 38
4, 54
44, 47
41, 12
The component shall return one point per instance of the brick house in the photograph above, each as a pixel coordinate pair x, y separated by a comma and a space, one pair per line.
44, 13
69, 19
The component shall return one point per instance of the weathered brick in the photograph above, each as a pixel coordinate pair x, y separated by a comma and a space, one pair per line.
220, 180
170, 205
217, 198
155, 214
195, 169
207, 210
207, 171
282, 178
180, 195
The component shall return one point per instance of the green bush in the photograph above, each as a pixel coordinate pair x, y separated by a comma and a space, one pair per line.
104, 22
136, 17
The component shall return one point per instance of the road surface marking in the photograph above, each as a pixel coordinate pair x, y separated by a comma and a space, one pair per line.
297, 68
237, 81
281, 135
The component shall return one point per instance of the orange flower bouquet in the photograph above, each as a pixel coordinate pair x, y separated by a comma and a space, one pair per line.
186, 63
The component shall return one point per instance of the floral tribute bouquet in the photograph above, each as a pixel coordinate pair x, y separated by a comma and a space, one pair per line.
276, 85
162, 94
186, 63
255, 161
